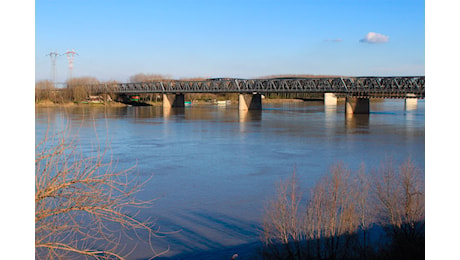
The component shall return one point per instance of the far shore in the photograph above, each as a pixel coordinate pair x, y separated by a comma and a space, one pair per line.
48, 103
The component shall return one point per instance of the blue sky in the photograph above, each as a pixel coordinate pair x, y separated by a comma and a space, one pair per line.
118, 39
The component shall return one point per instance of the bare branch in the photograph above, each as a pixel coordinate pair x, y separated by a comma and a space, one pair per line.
81, 204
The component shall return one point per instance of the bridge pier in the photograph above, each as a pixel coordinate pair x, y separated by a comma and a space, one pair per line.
173, 100
330, 99
354, 105
249, 102
410, 102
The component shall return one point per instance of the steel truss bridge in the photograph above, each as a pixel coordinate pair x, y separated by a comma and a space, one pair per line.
384, 87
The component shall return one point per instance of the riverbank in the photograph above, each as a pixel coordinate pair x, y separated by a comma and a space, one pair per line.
48, 103
281, 100
265, 100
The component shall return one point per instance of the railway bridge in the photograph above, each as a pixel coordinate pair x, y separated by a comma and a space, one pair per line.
357, 90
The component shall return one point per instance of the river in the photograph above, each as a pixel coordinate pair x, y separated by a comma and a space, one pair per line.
214, 168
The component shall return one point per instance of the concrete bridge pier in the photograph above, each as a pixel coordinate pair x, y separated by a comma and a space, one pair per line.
330, 99
354, 105
173, 100
249, 102
410, 102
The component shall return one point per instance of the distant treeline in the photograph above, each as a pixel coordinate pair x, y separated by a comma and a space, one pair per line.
77, 89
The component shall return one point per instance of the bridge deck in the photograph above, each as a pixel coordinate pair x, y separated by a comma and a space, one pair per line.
388, 87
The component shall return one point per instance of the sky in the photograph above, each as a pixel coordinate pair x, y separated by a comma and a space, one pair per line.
246, 39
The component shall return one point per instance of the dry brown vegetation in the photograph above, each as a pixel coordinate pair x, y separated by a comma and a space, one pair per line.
77, 90
84, 206
298, 76
335, 221
141, 77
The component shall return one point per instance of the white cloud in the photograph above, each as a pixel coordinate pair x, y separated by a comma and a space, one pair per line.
373, 37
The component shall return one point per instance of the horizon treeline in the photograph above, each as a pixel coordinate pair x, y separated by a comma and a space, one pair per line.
78, 90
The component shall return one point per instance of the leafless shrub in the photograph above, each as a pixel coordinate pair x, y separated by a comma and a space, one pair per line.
281, 223
141, 77
44, 90
319, 227
364, 206
79, 89
331, 215
399, 194
84, 206
400, 206
334, 222
108, 93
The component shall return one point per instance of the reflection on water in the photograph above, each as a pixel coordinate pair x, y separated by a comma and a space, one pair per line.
330, 111
358, 122
245, 117
171, 112
249, 115
224, 163
330, 119
148, 112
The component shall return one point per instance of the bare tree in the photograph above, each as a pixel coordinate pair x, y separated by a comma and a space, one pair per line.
108, 91
400, 206
400, 194
341, 207
364, 207
141, 77
331, 214
79, 89
84, 206
44, 90
321, 226
281, 223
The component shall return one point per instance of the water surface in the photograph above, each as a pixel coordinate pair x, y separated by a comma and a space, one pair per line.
214, 167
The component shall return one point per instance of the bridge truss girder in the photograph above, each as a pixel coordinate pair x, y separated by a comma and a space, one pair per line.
387, 87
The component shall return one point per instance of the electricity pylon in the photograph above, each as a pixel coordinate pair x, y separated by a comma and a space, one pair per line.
53, 56
70, 57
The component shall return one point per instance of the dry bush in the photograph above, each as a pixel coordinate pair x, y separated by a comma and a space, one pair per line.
194, 79
44, 90
399, 195
334, 222
108, 91
364, 207
84, 206
288, 76
281, 224
331, 216
79, 89
141, 77
321, 227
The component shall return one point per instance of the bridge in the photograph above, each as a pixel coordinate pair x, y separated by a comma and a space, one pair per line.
358, 90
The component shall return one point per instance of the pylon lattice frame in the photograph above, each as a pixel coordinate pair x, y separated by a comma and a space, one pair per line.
70, 57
